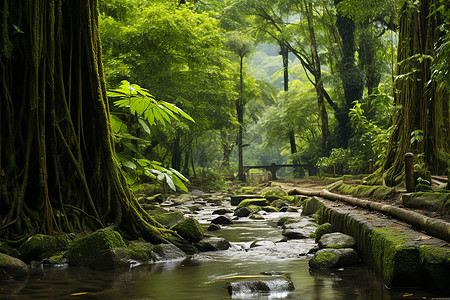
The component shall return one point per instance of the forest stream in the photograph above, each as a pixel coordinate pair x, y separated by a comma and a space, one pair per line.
255, 249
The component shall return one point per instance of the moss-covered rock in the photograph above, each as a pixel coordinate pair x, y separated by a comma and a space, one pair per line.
269, 209
273, 191
169, 219
311, 206
243, 212
278, 203
237, 199
249, 202
213, 244
248, 190
286, 220
432, 201
83, 251
436, 262
323, 229
12, 268
42, 246
256, 217
141, 251
168, 252
190, 229
334, 258
336, 240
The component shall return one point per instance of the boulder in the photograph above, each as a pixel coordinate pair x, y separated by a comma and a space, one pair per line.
12, 268
256, 217
169, 219
296, 234
213, 227
278, 203
110, 259
269, 209
222, 211
165, 252
257, 202
213, 244
190, 229
42, 246
285, 220
323, 229
141, 251
291, 209
336, 240
334, 258
273, 192
83, 251
243, 212
263, 286
236, 199
222, 220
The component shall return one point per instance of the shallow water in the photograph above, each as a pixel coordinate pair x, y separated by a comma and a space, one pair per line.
204, 275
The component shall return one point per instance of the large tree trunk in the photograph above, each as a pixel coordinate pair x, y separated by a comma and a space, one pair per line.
352, 78
56, 152
424, 104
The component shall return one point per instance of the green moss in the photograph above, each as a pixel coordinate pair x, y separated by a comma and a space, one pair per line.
389, 252
324, 256
255, 208
436, 265
323, 229
278, 203
246, 190
273, 191
270, 209
83, 250
141, 251
249, 202
190, 229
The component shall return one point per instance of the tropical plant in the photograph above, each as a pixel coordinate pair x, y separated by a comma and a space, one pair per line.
138, 103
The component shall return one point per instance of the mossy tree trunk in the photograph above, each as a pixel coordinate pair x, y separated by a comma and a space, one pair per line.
57, 164
424, 104
351, 76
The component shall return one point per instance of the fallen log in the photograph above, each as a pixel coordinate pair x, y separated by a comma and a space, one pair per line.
432, 226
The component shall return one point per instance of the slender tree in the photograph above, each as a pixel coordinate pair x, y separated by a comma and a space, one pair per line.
242, 47
58, 170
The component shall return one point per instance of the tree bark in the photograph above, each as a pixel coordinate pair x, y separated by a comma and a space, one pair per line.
56, 148
240, 117
424, 104
318, 79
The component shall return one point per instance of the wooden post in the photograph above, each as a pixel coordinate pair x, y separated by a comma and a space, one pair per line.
409, 172
371, 166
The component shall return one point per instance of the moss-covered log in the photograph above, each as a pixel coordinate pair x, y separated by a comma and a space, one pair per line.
433, 226
57, 163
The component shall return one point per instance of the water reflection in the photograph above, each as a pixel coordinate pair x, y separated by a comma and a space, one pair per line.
204, 276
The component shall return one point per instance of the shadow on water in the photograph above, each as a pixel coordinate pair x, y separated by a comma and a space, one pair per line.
204, 276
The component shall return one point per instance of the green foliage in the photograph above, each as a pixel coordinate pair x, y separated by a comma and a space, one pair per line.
137, 103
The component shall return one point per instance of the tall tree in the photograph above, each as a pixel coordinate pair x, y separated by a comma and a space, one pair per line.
58, 170
242, 47
424, 103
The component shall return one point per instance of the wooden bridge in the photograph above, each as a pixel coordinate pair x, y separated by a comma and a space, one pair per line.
273, 168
